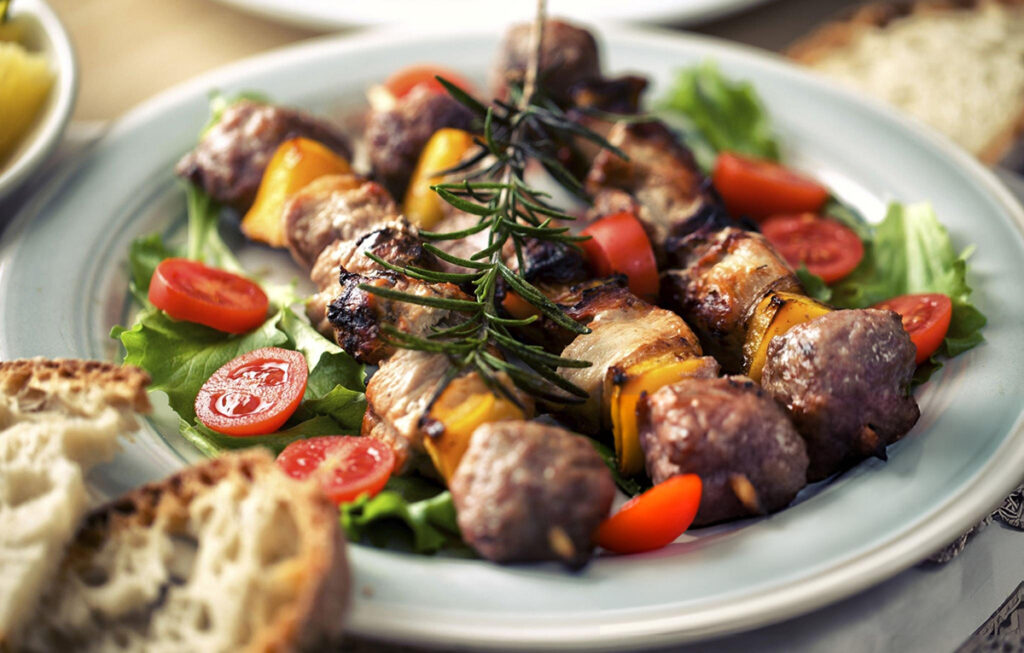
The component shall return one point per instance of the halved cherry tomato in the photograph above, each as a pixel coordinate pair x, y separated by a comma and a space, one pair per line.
828, 248
654, 519
619, 244
926, 318
758, 188
188, 290
253, 394
345, 466
406, 79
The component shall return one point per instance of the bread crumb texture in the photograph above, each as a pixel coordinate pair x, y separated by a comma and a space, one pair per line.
958, 67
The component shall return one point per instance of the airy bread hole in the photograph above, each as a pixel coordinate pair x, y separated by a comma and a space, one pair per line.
26, 485
182, 557
203, 620
282, 540
94, 576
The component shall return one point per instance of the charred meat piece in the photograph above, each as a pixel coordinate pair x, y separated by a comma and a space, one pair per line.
609, 94
623, 331
548, 262
672, 197
734, 436
395, 242
396, 136
230, 159
845, 379
720, 279
526, 491
568, 56
357, 315
332, 208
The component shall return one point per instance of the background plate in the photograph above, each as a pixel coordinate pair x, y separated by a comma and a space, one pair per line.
62, 286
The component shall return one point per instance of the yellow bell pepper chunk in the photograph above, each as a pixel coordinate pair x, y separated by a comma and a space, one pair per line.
295, 163
25, 81
776, 313
445, 149
645, 377
459, 415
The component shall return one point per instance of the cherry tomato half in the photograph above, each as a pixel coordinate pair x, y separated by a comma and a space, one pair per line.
828, 248
345, 466
619, 244
188, 290
926, 318
758, 188
253, 394
406, 79
654, 519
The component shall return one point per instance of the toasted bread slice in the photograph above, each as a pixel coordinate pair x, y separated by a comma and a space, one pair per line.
954, 65
58, 418
230, 555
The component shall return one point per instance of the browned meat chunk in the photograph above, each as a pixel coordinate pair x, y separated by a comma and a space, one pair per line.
730, 433
230, 159
357, 315
334, 208
672, 197
721, 278
396, 137
526, 491
568, 56
609, 94
845, 378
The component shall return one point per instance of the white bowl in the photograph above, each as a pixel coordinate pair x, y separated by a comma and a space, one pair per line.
46, 35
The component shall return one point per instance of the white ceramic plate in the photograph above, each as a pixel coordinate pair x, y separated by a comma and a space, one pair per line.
63, 284
44, 34
327, 14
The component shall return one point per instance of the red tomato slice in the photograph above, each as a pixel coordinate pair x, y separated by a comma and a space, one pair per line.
654, 519
188, 290
619, 244
758, 188
406, 79
345, 466
925, 317
828, 248
253, 394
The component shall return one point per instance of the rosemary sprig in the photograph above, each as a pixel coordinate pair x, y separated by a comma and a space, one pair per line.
4, 6
527, 127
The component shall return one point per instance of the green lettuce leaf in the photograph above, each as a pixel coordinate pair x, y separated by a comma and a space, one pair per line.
716, 114
211, 443
630, 485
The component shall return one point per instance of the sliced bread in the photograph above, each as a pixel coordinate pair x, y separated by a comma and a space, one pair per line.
955, 65
58, 418
230, 555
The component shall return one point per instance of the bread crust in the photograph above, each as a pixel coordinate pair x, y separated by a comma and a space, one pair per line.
32, 384
850, 25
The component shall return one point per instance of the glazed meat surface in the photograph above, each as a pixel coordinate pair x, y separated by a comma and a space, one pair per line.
568, 56
396, 137
730, 433
526, 491
332, 208
845, 379
721, 276
230, 159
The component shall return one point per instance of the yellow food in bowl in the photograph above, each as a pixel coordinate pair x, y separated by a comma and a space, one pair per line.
25, 81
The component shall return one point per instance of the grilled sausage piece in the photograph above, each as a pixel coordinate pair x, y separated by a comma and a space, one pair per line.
845, 378
730, 433
672, 197
396, 136
229, 161
526, 491
568, 56
721, 276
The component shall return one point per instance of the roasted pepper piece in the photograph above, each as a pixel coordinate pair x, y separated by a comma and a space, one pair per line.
295, 163
463, 406
776, 313
645, 377
444, 150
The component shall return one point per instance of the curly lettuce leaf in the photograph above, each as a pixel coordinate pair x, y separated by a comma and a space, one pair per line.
716, 114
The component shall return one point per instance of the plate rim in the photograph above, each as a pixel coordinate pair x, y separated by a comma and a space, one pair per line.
795, 597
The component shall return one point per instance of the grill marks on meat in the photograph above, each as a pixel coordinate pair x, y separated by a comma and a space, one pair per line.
568, 56
660, 183
720, 279
528, 492
396, 136
845, 379
730, 433
230, 159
